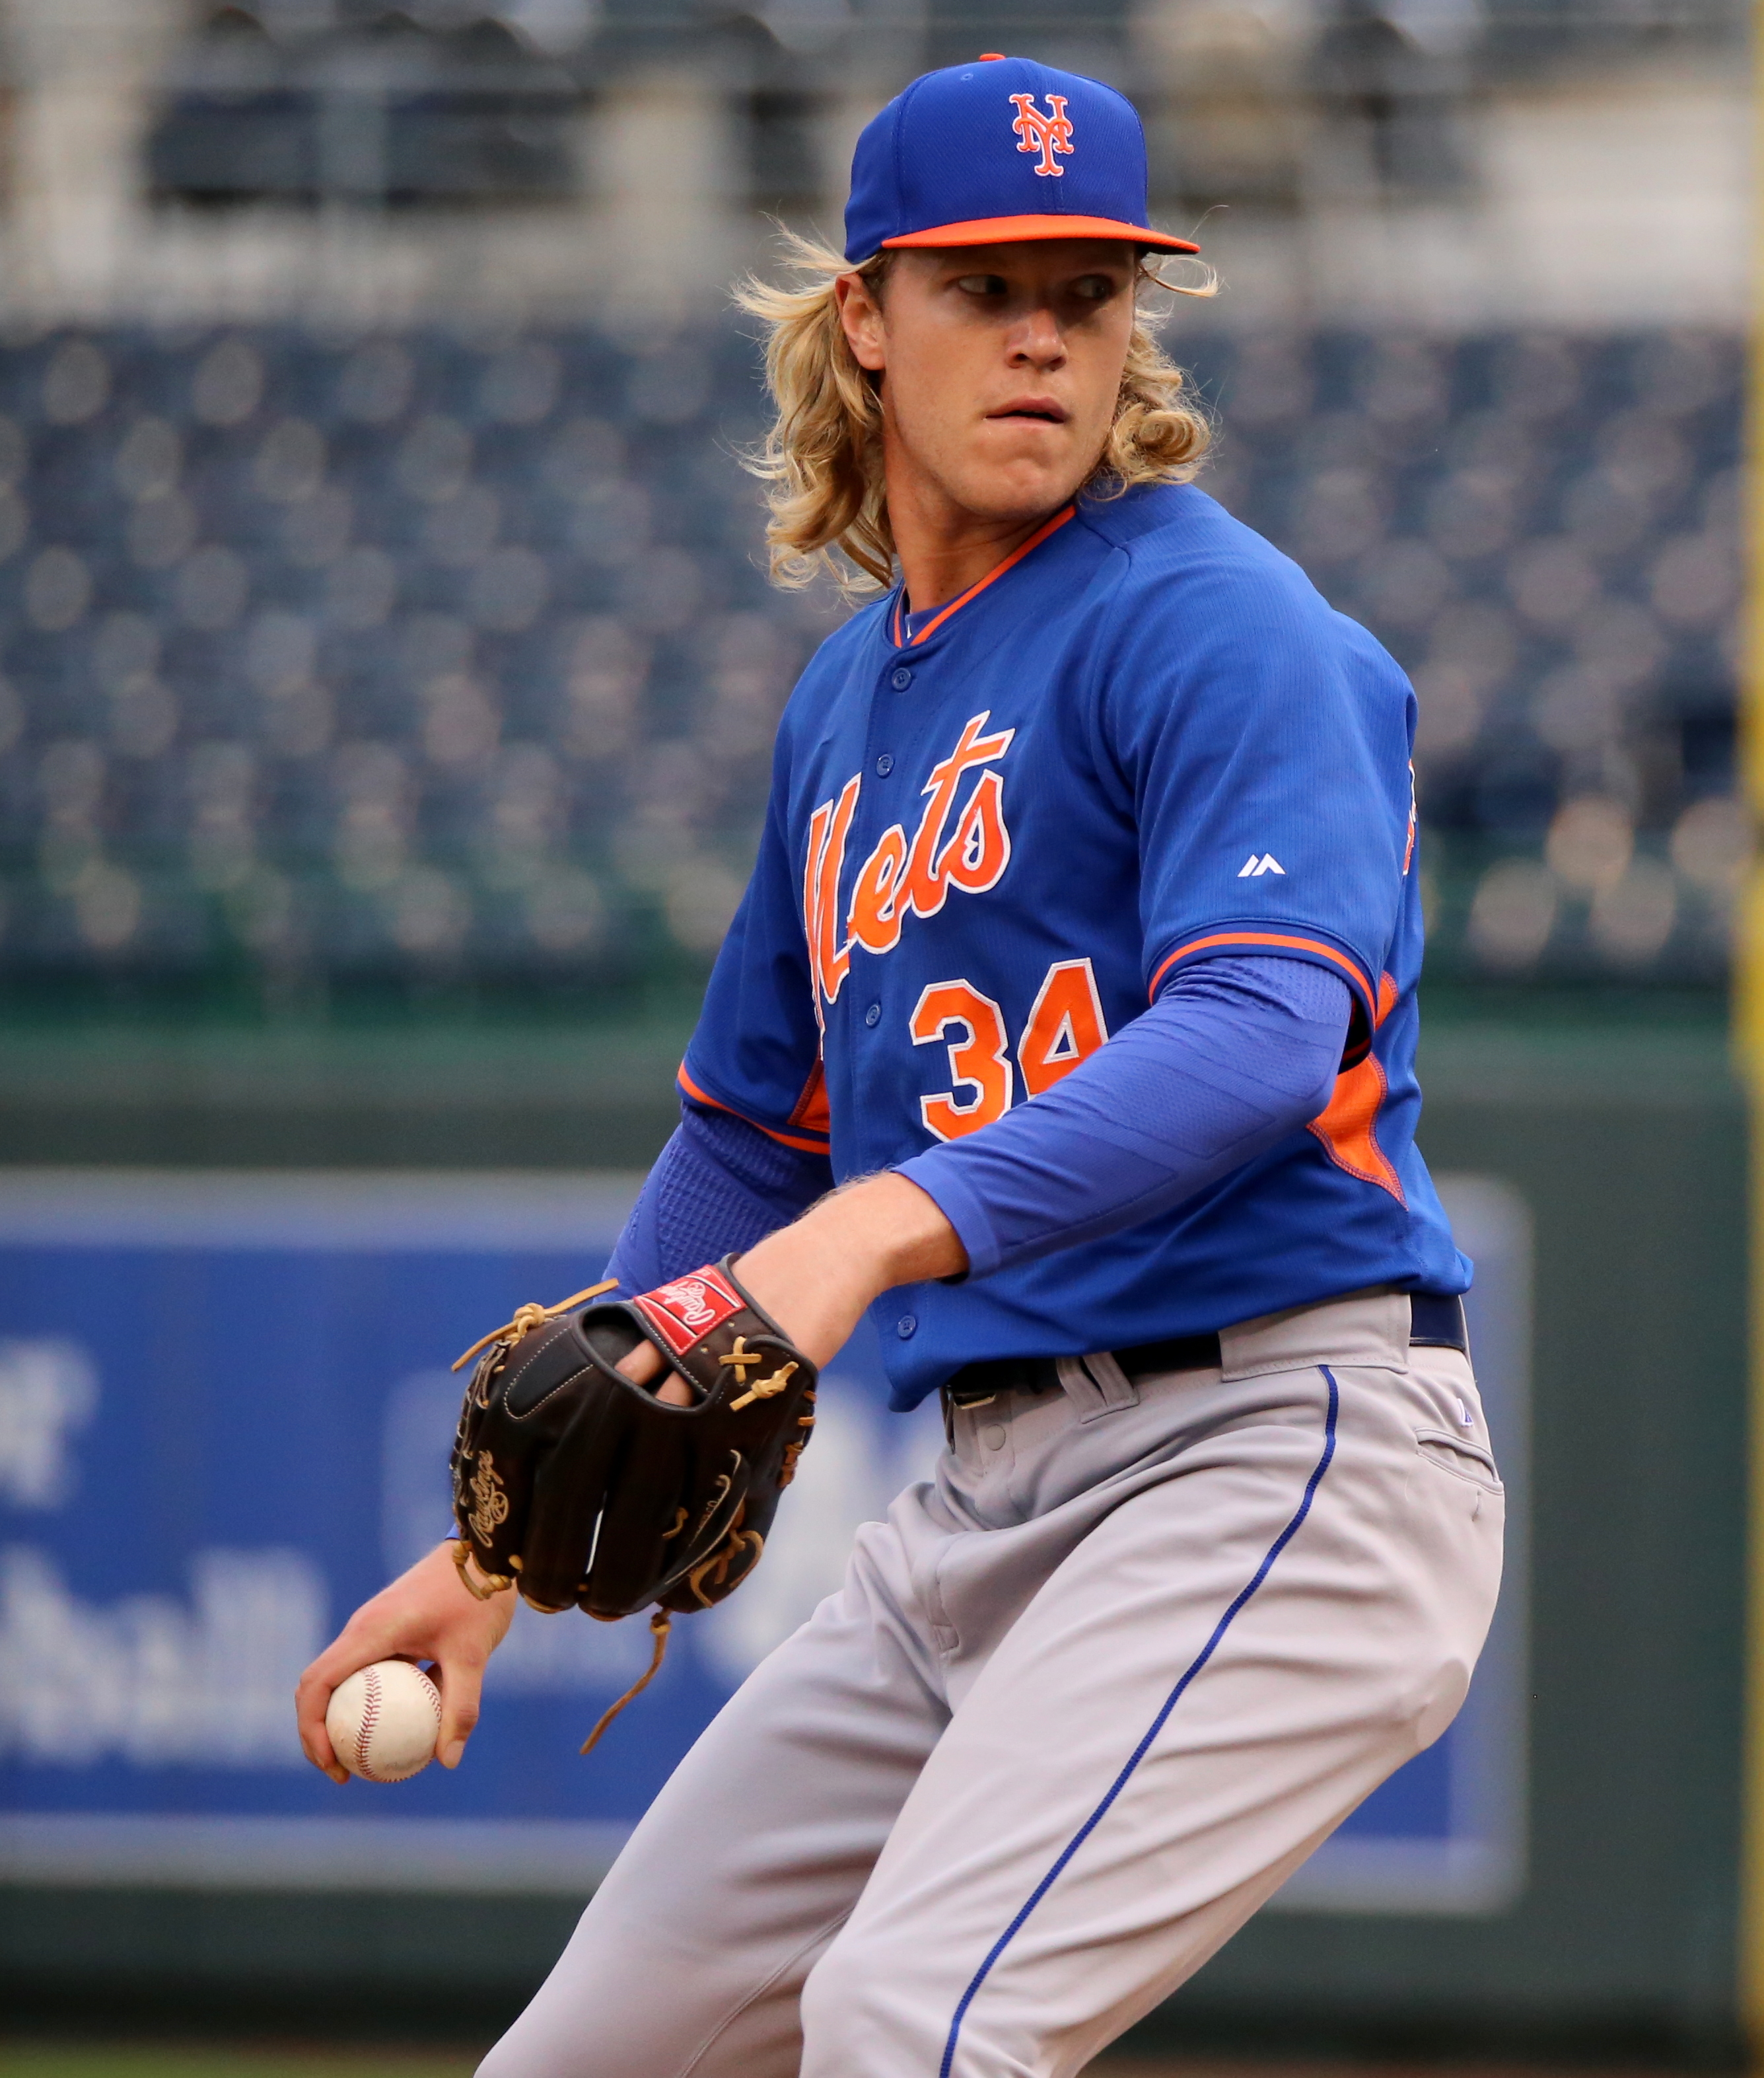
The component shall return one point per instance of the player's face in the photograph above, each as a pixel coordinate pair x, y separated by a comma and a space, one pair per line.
1000, 367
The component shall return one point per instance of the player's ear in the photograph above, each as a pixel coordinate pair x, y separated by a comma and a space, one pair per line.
860, 314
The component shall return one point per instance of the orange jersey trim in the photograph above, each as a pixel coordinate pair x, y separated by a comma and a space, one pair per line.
800, 1142
812, 1112
1356, 973
991, 577
1348, 1128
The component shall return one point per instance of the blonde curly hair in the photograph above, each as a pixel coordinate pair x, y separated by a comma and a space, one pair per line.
822, 459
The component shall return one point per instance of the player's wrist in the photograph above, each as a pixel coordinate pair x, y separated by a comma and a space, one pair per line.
909, 1236
882, 1232
816, 1277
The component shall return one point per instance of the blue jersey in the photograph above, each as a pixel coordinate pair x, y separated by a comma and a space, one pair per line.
996, 832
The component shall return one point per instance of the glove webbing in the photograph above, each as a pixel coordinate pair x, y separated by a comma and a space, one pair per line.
532, 1316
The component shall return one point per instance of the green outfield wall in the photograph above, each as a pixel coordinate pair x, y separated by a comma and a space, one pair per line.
1627, 1142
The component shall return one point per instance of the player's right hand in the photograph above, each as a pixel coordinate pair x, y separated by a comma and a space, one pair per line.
425, 1615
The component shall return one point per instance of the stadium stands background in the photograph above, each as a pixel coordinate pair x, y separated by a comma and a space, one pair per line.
425, 654
356, 638
429, 647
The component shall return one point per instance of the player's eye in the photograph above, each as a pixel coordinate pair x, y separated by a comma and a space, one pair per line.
980, 285
1096, 288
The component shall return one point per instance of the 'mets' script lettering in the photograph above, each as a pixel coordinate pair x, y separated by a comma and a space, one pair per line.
967, 848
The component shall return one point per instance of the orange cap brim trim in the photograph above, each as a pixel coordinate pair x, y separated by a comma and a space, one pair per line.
1013, 229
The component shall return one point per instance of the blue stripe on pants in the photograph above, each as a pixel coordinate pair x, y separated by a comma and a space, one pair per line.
1157, 1725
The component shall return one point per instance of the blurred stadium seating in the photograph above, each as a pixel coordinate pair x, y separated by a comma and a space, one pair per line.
280, 98
1545, 530
451, 655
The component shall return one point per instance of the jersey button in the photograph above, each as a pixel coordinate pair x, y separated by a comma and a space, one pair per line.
872, 1016
901, 679
884, 765
906, 1326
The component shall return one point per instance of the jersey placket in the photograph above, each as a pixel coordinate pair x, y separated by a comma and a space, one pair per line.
915, 724
898, 743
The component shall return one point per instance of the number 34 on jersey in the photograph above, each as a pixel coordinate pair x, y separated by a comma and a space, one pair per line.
1064, 1027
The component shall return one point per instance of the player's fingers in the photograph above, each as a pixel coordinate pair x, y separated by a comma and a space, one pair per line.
462, 1684
359, 1644
642, 1363
312, 1699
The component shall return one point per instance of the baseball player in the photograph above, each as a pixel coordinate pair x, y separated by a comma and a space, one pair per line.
1081, 953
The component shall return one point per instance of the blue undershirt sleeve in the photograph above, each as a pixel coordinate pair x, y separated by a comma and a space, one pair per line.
1237, 1053
719, 1186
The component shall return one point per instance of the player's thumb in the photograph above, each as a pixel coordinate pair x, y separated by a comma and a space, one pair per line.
462, 1684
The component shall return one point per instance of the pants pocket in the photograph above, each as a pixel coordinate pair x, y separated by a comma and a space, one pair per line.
1459, 1457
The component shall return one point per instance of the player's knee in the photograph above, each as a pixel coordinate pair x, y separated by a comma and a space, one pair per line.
857, 2005
1442, 1698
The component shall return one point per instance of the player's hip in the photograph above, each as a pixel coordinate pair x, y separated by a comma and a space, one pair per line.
1369, 1375
1328, 1467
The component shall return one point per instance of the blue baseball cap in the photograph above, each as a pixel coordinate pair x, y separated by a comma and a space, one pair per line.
999, 150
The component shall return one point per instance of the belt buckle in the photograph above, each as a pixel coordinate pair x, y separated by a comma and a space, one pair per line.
972, 1399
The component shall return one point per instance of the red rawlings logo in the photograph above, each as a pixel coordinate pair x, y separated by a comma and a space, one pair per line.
1045, 134
689, 1309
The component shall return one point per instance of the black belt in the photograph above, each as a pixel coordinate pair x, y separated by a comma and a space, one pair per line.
1435, 1323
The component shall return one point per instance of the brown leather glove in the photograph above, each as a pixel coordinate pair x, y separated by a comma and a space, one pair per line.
583, 1489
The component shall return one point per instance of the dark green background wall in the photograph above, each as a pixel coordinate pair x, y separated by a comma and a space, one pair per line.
1626, 1137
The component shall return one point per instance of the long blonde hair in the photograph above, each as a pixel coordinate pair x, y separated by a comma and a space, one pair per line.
822, 458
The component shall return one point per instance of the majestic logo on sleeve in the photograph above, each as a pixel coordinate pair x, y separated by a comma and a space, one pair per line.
1045, 134
965, 849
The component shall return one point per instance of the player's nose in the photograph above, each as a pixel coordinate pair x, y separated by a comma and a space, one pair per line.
1036, 338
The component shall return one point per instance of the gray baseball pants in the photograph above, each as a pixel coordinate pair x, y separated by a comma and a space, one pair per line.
1087, 1698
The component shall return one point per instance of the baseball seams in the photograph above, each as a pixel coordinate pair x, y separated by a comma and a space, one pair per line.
370, 1716
384, 1742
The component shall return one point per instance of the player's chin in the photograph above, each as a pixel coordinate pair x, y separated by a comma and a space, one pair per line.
1014, 484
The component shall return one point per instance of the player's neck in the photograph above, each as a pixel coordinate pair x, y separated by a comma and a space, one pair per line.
945, 550
937, 570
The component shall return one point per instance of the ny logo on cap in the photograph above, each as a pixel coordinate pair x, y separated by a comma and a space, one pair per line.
1045, 134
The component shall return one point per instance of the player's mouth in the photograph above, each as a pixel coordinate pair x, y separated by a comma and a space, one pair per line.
1044, 411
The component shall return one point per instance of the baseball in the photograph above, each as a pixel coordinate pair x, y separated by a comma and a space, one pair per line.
384, 1720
